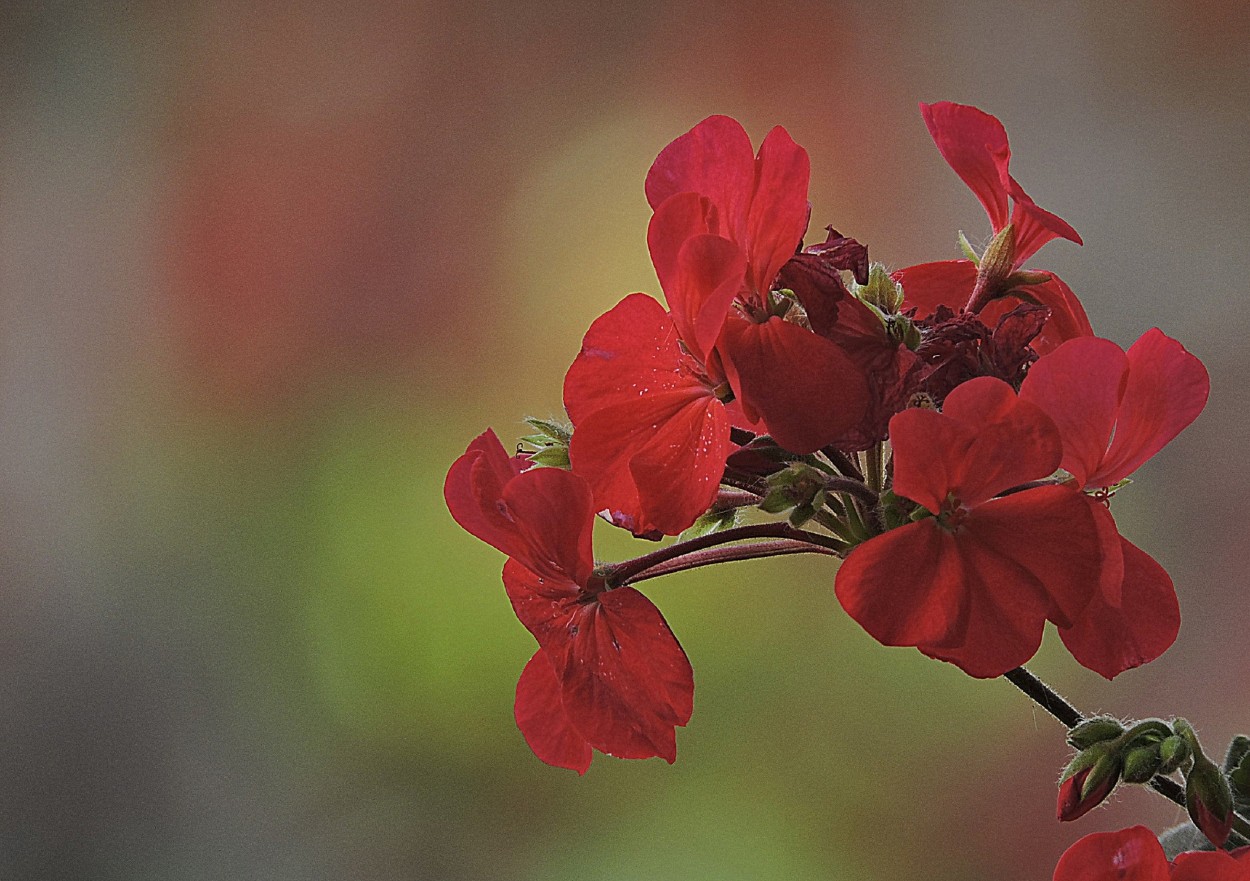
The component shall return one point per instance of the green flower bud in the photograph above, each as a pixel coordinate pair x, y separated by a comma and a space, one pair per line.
1173, 751
1093, 731
1140, 764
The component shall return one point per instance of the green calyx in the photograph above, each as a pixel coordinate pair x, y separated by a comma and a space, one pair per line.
1093, 731
799, 489
881, 292
548, 446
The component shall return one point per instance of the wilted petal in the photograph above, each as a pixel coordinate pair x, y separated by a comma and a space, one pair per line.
540, 715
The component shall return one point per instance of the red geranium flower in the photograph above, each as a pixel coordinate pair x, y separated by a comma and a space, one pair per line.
1114, 410
609, 674
974, 144
975, 583
801, 387
1134, 854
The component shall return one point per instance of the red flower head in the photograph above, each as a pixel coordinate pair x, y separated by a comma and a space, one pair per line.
608, 673
975, 583
1134, 854
800, 386
1114, 410
974, 144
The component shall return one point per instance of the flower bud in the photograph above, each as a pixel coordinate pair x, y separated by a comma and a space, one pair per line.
1088, 780
1173, 751
1209, 800
1140, 764
1093, 731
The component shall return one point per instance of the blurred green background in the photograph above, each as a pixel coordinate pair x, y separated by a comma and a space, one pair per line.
265, 269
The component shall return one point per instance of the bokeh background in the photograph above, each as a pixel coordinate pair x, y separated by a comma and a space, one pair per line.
266, 268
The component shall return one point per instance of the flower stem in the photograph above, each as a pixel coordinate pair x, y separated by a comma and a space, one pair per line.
627, 570
732, 553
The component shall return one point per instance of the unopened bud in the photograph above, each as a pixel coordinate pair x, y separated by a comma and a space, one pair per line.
1141, 764
1209, 801
1088, 780
1093, 731
1173, 751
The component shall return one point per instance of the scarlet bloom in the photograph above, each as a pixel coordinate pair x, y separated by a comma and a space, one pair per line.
1114, 410
609, 673
974, 583
1134, 854
974, 144
799, 386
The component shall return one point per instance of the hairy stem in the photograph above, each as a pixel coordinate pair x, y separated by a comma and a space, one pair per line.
627, 570
732, 553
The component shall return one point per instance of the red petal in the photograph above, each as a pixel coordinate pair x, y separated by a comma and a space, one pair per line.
1079, 385
541, 517
677, 220
1128, 855
779, 209
626, 681
985, 441
474, 482
713, 159
907, 586
1213, 865
1029, 556
1111, 637
926, 286
554, 514
1167, 389
979, 596
1034, 226
974, 144
708, 278
657, 459
540, 715
629, 351
805, 389
651, 437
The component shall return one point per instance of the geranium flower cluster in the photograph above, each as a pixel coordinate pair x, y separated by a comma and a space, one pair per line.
954, 430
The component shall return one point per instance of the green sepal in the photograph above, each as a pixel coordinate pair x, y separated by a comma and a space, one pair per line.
552, 457
559, 432
1140, 764
969, 251
712, 521
1095, 730
1173, 751
1239, 777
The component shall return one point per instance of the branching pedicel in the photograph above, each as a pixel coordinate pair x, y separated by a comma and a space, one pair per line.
954, 431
